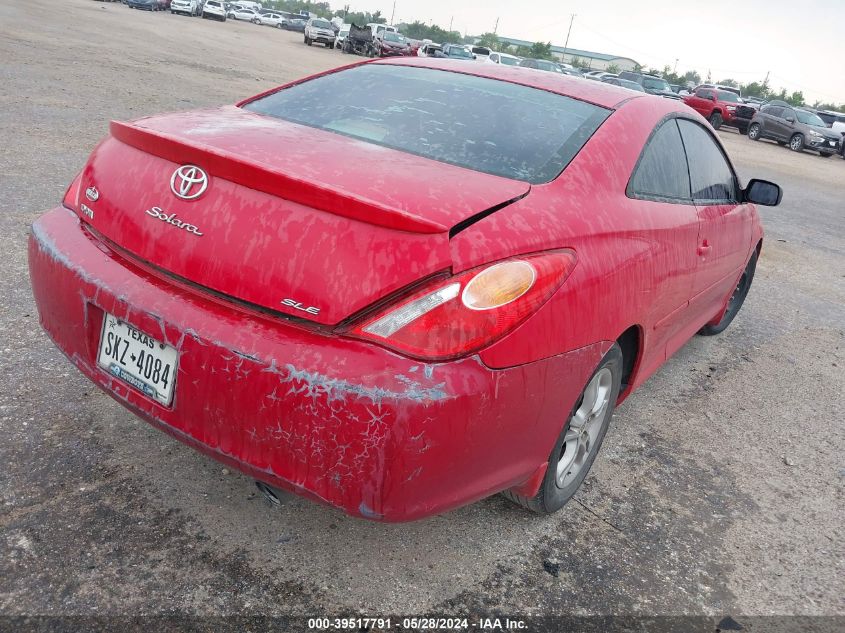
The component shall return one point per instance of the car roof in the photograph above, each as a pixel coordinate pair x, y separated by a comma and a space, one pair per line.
596, 92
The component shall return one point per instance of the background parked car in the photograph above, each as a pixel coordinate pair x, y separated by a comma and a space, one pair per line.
540, 64
480, 53
719, 107
429, 50
454, 51
144, 5
270, 18
243, 14
652, 84
598, 75
320, 31
186, 7
214, 9
294, 22
799, 128
391, 44
624, 83
341, 36
503, 58
359, 40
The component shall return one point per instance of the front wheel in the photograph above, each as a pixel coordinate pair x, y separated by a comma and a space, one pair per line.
796, 143
823, 155
754, 132
716, 120
736, 300
579, 442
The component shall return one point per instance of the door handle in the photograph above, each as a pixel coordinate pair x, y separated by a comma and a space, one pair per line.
704, 249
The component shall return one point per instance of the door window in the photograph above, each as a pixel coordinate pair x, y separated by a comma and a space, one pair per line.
662, 169
711, 175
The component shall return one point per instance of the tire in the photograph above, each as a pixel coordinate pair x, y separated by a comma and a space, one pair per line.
279, 25
743, 130
823, 155
575, 451
754, 132
781, 143
796, 143
716, 120
736, 300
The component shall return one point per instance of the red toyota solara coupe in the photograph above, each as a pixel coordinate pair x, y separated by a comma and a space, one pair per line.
400, 286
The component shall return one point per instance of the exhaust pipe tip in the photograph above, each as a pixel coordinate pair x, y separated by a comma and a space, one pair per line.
274, 496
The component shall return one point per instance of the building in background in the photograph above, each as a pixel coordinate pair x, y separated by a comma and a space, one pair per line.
587, 59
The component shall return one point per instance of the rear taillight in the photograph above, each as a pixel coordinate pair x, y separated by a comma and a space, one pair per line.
460, 315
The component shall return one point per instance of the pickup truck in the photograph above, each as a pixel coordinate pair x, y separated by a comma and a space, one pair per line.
719, 107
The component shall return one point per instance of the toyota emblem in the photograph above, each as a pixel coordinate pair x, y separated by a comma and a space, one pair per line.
188, 182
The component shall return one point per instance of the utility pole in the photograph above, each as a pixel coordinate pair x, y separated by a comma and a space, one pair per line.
566, 44
675, 70
496, 28
450, 23
392, 13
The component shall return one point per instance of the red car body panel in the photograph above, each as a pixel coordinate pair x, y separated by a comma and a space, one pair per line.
352, 424
342, 420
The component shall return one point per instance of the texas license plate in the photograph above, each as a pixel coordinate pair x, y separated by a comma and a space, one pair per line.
137, 359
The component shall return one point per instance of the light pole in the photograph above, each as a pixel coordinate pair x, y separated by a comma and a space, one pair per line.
392, 13
566, 44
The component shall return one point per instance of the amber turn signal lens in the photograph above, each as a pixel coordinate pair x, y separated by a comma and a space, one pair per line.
498, 285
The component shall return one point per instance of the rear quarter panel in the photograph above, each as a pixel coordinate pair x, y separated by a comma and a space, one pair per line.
621, 252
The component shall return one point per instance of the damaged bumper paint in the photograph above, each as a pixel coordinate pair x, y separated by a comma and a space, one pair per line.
348, 423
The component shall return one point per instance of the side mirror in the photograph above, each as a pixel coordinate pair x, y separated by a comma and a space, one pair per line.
762, 192
790, 119
712, 97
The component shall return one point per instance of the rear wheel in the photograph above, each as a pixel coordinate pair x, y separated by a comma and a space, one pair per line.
781, 143
823, 155
796, 143
754, 132
736, 300
716, 120
579, 443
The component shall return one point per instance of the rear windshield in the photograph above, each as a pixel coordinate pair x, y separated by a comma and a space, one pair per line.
511, 130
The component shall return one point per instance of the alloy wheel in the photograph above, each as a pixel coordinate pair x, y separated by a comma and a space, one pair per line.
584, 428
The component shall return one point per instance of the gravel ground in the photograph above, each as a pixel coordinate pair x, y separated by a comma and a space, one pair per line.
719, 489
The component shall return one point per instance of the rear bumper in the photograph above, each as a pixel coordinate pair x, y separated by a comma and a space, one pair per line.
339, 420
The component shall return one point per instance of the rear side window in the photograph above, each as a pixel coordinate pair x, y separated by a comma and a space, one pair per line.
711, 175
511, 130
662, 170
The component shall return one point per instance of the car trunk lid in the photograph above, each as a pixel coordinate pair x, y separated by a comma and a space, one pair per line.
294, 219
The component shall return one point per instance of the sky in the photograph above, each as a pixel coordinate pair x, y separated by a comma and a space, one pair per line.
800, 43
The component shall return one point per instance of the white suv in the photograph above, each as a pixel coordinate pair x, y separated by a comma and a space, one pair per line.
319, 30
214, 9
188, 7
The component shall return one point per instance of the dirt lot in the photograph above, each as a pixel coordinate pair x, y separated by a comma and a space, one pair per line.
719, 489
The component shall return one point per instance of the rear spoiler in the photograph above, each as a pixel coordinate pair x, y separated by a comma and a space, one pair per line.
265, 179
